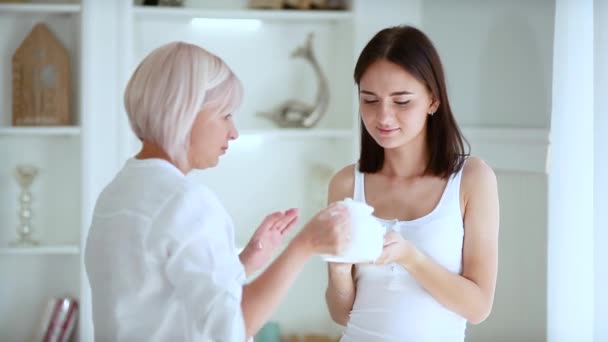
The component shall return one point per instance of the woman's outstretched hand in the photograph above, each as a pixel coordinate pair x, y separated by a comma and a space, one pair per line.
328, 232
267, 239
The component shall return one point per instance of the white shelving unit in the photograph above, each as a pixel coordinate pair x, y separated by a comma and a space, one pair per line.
41, 250
52, 268
270, 77
40, 131
269, 15
39, 8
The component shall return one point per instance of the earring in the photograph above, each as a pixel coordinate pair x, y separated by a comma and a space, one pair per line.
431, 113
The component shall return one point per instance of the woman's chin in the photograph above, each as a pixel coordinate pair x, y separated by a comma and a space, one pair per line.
205, 164
388, 143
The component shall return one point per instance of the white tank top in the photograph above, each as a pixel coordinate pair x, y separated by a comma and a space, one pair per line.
390, 305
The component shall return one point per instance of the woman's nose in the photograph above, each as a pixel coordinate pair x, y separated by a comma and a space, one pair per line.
234, 133
385, 114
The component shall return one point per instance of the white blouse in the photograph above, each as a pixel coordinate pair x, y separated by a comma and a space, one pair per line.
161, 260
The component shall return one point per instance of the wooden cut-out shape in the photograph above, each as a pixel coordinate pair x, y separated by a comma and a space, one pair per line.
41, 80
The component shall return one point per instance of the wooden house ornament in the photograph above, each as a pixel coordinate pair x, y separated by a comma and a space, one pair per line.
41, 80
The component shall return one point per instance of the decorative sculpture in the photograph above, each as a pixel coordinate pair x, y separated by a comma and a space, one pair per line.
298, 4
296, 113
41, 80
174, 3
25, 175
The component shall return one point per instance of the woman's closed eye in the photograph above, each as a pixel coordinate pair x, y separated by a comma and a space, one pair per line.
371, 101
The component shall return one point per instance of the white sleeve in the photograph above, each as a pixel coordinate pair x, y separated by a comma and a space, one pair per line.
201, 265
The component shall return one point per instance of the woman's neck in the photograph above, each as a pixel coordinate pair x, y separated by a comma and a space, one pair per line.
152, 151
409, 160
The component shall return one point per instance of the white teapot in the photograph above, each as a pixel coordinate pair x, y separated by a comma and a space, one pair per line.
367, 235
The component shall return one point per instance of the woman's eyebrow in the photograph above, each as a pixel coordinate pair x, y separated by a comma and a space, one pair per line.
396, 93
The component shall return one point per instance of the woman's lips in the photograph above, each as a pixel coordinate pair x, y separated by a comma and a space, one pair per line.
387, 131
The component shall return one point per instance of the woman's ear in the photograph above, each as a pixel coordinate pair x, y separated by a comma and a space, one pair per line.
434, 106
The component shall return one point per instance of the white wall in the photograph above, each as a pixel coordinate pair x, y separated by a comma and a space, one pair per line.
600, 201
522, 261
498, 59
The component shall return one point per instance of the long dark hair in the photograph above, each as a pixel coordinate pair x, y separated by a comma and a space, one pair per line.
411, 49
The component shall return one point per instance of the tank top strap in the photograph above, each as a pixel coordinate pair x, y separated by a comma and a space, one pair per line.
359, 186
452, 191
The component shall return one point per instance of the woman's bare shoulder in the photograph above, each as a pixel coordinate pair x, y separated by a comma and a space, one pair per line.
477, 176
342, 184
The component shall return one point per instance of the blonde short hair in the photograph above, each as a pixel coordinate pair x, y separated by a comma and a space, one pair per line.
170, 87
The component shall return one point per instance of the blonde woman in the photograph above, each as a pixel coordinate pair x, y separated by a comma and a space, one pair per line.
160, 252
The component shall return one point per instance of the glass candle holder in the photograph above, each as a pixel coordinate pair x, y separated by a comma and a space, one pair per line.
25, 175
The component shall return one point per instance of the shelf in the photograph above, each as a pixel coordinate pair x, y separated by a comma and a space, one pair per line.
40, 131
40, 8
176, 13
300, 133
511, 149
41, 250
